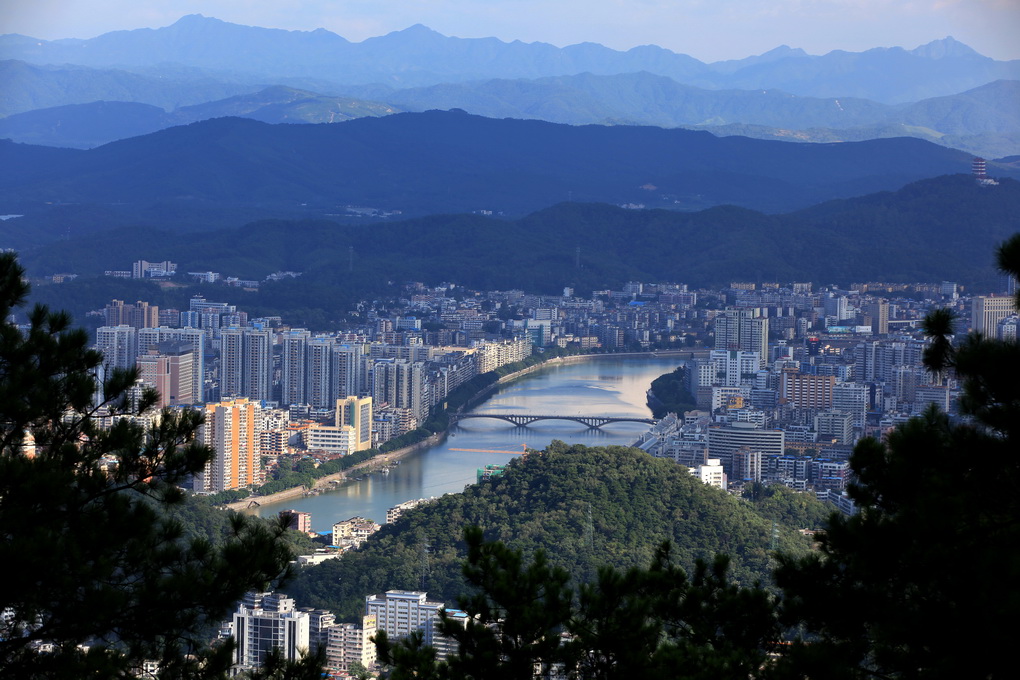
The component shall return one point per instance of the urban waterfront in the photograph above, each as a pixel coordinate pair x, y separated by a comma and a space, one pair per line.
608, 386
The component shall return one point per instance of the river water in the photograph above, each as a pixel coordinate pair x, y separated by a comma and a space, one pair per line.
601, 386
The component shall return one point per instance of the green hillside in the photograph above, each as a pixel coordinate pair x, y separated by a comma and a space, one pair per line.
584, 506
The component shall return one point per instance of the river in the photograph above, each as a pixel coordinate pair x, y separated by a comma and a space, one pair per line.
601, 386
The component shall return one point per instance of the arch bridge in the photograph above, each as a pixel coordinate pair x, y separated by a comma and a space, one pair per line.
522, 419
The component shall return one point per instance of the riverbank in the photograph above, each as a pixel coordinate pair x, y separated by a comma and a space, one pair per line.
382, 459
370, 465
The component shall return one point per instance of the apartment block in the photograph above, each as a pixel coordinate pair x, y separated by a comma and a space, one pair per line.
265, 622
230, 430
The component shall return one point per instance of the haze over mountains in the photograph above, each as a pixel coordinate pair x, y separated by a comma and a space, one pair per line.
199, 108
960, 98
419, 56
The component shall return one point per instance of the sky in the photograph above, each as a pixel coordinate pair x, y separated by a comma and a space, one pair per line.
709, 30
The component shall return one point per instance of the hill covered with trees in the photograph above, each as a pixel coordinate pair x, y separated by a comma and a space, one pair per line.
585, 507
450, 161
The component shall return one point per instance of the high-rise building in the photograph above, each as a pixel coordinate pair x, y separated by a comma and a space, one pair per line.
231, 363
350, 643
356, 413
400, 612
119, 345
347, 371
318, 373
230, 430
805, 390
154, 372
986, 312
185, 339
731, 368
352, 431
837, 426
741, 329
139, 315
246, 363
747, 465
258, 364
879, 313
273, 622
293, 344
401, 384
851, 398
723, 442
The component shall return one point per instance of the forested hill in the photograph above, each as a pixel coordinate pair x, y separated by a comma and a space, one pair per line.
939, 229
584, 506
440, 161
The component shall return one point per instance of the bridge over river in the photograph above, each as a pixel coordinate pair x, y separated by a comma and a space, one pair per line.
522, 419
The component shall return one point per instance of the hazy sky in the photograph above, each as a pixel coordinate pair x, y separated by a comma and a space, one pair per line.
706, 29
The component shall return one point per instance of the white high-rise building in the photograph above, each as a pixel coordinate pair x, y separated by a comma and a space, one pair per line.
731, 368
264, 622
246, 363
986, 312
711, 473
399, 612
740, 329
258, 364
119, 345
347, 371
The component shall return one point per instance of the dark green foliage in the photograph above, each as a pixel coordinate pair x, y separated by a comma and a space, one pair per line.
670, 394
648, 622
276, 667
410, 658
921, 583
790, 508
92, 527
530, 602
585, 507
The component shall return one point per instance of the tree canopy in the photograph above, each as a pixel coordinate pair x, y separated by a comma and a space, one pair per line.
921, 583
100, 579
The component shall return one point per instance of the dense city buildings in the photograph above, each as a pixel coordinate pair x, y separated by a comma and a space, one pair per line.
783, 377
783, 381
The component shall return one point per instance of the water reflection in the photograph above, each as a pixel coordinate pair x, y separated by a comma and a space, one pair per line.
611, 387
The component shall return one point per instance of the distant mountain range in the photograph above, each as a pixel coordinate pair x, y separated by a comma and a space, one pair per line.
419, 56
433, 162
984, 121
74, 93
84, 126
